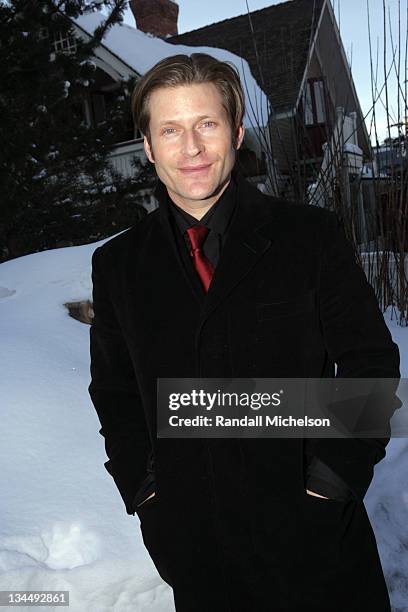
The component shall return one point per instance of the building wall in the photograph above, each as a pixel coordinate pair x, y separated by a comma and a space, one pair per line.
338, 77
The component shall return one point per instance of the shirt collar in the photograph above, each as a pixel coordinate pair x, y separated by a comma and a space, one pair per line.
217, 218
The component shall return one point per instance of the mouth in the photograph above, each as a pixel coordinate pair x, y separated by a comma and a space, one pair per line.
195, 170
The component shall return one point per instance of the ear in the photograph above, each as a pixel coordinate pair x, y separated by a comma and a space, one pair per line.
148, 150
239, 136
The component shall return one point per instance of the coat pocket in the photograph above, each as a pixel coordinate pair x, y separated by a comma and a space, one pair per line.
147, 486
293, 306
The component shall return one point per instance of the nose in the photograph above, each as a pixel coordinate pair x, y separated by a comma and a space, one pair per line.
192, 143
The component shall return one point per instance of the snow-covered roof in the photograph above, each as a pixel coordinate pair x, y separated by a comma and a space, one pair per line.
141, 51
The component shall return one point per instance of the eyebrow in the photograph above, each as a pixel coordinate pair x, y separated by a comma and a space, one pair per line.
174, 121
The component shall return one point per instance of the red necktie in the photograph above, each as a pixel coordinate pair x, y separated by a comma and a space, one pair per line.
197, 234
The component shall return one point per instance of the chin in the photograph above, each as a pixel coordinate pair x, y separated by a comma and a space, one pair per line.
200, 190
196, 194
204, 189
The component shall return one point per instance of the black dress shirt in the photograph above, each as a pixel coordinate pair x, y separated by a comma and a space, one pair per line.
217, 219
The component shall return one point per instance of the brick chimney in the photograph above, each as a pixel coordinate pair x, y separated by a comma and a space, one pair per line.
159, 17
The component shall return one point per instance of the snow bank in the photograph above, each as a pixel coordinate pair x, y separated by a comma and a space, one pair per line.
63, 524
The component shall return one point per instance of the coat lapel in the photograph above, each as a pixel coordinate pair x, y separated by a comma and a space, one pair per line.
244, 246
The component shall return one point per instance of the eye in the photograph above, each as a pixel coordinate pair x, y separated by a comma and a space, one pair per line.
168, 130
211, 123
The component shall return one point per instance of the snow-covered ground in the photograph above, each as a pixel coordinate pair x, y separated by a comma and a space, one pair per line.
63, 524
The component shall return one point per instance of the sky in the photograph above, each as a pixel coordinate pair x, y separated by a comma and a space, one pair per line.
352, 19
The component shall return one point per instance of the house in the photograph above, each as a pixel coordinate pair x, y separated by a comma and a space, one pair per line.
384, 182
391, 157
296, 54
306, 115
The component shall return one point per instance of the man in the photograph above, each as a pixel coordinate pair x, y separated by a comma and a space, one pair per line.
224, 281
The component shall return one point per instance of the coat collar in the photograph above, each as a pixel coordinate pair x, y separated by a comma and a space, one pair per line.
244, 246
217, 218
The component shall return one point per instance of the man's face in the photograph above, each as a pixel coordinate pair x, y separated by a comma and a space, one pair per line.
192, 145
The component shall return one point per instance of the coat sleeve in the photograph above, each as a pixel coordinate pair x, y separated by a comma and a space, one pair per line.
114, 391
359, 342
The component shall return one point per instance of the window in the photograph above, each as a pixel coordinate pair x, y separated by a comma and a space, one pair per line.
98, 107
66, 44
314, 106
307, 105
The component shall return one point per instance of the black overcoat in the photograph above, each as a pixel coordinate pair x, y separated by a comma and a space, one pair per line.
231, 526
